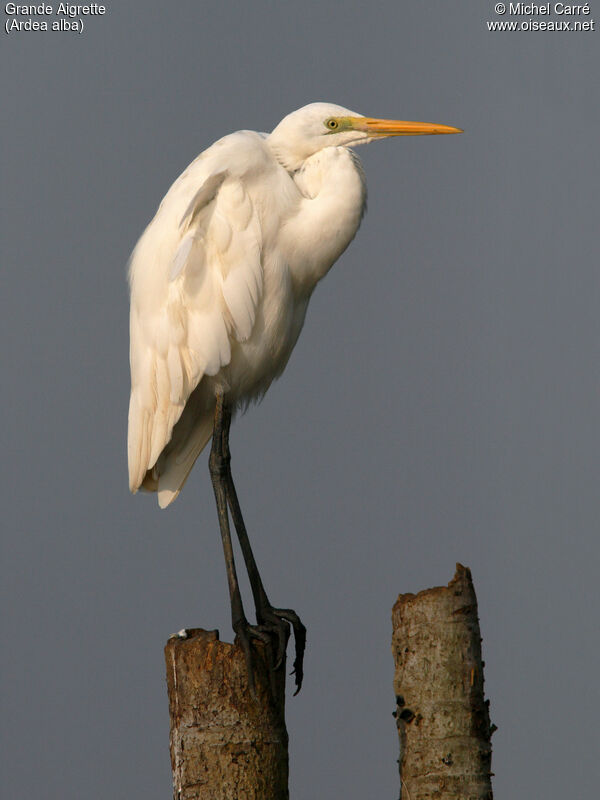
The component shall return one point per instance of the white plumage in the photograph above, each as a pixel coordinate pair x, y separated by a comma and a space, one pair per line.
221, 277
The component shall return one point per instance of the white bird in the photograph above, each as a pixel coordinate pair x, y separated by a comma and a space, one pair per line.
220, 282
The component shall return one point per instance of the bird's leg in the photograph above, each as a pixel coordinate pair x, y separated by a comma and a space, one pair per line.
219, 468
274, 620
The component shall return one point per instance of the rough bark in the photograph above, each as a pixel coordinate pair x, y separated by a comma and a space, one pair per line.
224, 744
442, 716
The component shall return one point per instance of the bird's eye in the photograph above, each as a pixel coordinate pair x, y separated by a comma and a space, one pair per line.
332, 124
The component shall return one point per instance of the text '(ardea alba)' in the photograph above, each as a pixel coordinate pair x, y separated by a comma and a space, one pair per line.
220, 283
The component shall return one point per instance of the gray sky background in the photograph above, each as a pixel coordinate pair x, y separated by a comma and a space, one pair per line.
441, 404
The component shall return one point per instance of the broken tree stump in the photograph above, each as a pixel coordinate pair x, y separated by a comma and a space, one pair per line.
442, 716
223, 743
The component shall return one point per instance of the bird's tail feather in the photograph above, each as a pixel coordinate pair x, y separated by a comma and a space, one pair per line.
175, 462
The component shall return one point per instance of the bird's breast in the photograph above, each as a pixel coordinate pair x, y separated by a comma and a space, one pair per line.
330, 208
317, 216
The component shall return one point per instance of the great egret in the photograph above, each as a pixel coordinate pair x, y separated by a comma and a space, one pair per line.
220, 283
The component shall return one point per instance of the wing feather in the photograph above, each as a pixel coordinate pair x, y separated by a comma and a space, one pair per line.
196, 280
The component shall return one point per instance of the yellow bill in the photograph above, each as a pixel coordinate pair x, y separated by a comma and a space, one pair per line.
395, 127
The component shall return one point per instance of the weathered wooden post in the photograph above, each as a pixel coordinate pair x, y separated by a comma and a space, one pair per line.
224, 744
442, 716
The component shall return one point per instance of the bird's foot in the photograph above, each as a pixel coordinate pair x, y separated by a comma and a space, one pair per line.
275, 622
245, 633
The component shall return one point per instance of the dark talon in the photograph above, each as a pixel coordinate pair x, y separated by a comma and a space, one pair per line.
277, 621
299, 642
278, 627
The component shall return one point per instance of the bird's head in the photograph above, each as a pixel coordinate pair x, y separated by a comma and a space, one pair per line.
318, 125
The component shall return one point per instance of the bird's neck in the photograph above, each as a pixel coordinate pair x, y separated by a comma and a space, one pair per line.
333, 201
288, 149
